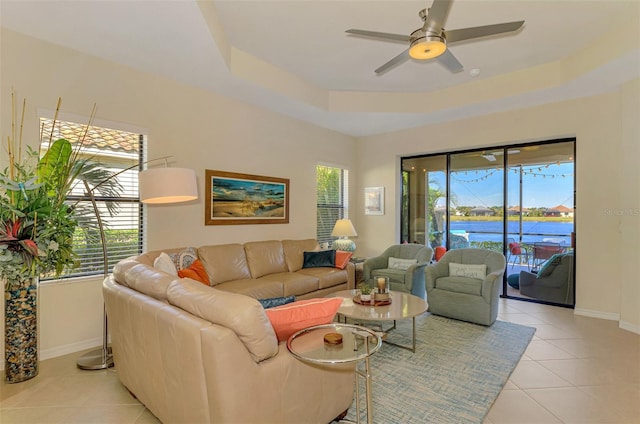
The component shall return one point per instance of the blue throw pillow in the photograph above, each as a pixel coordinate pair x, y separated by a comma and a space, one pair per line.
276, 301
324, 258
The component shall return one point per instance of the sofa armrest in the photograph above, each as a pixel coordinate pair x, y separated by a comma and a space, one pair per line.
376, 262
351, 275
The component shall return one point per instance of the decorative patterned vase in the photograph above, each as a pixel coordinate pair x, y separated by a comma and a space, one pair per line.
20, 330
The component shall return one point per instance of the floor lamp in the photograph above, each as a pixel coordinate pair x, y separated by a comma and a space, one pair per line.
156, 186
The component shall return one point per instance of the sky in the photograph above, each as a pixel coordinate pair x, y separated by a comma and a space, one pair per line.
543, 186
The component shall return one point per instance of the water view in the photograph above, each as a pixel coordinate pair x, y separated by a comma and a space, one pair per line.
532, 231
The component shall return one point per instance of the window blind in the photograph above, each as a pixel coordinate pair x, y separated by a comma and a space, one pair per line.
332, 200
121, 216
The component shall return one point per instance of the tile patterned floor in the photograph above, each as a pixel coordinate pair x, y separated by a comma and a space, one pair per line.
576, 370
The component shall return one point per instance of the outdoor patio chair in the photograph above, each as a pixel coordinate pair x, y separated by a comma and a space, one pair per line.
554, 281
517, 252
543, 251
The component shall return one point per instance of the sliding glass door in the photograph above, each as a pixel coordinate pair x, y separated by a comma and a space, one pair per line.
518, 200
476, 181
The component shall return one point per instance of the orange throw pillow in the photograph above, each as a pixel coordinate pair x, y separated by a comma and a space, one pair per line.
342, 258
196, 272
290, 318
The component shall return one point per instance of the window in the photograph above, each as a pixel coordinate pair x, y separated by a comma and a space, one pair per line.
121, 215
332, 200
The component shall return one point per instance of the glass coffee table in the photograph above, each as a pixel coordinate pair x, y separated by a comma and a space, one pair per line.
357, 345
403, 306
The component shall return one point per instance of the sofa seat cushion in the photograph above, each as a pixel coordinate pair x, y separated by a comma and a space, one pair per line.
327, 277
293, 283
224, 262
244, 316
396, 275
465, 285
258, 289
265, 257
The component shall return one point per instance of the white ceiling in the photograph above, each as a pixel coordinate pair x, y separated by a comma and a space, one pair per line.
294, 57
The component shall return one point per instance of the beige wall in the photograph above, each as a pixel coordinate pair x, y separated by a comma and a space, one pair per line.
606, 131
201, 130
206, 131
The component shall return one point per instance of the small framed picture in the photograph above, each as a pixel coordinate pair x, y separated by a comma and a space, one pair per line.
374, 201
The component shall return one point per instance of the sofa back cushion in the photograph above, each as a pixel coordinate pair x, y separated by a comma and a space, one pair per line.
294, 252
241, 314
265, 257
224, 262
148, 280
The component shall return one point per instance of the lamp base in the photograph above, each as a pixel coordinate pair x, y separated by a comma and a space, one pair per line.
98, 359
344, 244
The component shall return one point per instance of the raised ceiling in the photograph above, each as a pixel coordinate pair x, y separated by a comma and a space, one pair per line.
294, 57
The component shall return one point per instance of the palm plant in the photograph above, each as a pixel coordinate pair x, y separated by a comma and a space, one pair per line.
37, 221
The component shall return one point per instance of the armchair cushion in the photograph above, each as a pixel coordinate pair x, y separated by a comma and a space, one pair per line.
458, 284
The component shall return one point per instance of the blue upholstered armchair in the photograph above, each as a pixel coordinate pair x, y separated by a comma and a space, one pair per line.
403, 264
467, 294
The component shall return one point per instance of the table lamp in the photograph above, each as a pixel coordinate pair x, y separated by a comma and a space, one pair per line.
344, 229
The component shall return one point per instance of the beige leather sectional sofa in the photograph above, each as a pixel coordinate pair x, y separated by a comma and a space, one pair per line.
197, 354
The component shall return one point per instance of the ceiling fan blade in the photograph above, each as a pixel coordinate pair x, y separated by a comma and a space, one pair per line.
449, 61
380, 35
402, 57
461, 34
437, 14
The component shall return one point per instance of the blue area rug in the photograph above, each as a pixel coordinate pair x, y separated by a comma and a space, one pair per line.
454, 376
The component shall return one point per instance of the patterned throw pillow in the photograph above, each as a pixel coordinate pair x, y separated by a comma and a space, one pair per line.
184, 258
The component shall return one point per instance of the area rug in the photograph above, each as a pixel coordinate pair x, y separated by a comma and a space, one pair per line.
454, 376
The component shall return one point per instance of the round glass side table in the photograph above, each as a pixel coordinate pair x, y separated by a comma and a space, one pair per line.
358, 344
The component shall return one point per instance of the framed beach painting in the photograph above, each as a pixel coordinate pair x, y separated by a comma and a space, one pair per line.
233, 198
374, 201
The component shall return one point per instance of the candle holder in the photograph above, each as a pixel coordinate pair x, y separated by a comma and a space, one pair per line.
382, 288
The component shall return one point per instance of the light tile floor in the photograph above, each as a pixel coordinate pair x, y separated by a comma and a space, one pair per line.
576, 370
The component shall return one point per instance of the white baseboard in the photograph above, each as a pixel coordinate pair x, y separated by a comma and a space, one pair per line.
630, 327
611, 316
70, 348
65, 350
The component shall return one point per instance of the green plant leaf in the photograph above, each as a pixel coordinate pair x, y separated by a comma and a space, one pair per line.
53, 168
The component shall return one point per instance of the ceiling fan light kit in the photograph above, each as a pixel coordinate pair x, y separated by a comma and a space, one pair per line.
430, 41
426, 46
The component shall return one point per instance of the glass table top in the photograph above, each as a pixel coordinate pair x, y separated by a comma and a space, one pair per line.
403, 306
309, 345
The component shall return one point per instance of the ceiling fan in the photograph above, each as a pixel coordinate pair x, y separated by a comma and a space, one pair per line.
430, 41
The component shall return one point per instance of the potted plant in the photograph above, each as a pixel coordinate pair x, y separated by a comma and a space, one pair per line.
365, 292
37, 226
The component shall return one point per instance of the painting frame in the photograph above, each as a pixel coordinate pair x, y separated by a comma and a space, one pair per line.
245, 199
374, 201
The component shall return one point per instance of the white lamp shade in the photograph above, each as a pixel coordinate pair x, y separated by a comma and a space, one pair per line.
344, 228
167, 185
